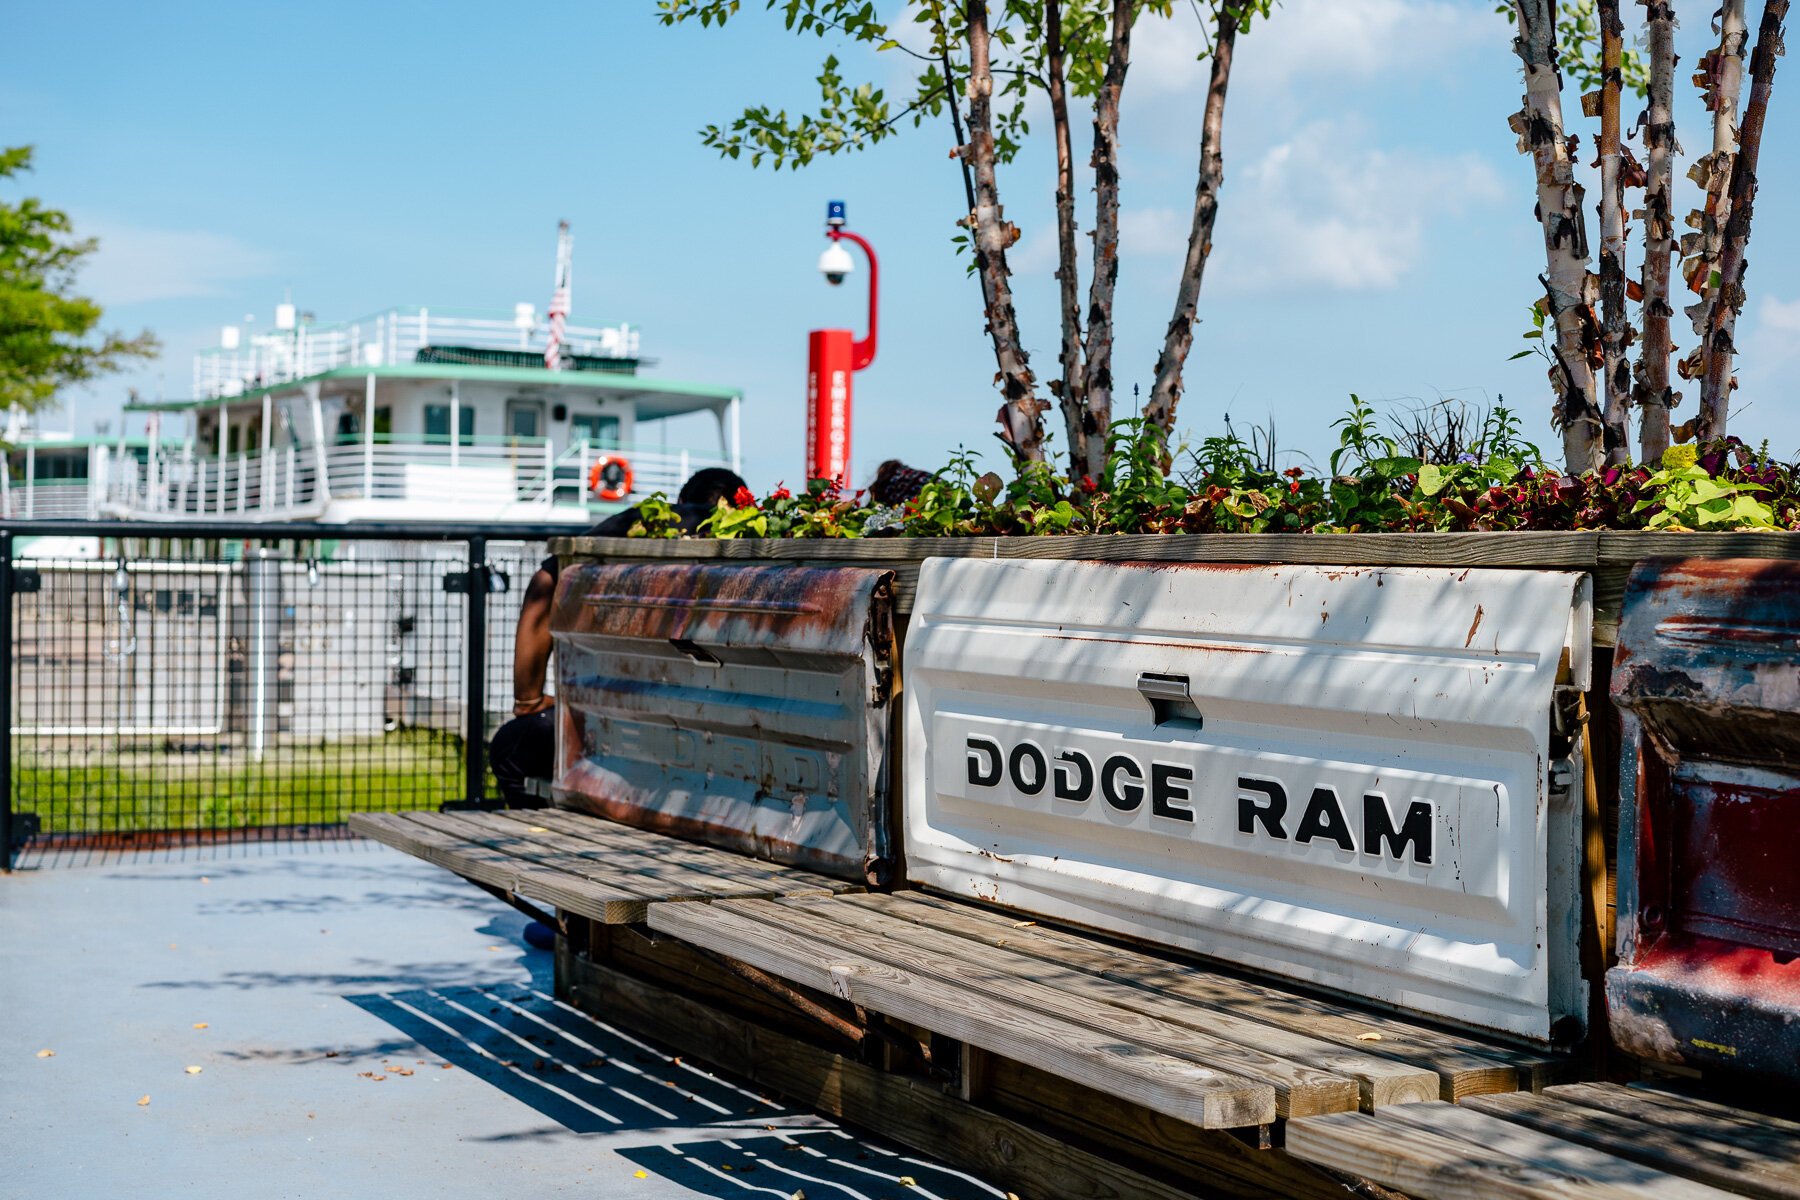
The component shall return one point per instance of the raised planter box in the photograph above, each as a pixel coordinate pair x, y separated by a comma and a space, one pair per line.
1608, 555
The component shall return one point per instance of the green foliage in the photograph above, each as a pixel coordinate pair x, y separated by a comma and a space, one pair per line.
1686, 496
657, 518
48, 337
1578, 49
1499, 482
851, 117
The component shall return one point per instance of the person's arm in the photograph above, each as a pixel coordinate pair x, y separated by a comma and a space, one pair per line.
531, 646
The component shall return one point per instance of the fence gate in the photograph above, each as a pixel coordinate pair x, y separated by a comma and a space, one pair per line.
225, 682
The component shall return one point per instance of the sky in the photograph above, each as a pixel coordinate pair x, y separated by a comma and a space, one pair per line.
1375, 233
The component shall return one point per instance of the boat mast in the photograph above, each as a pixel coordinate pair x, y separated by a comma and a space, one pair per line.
559, 299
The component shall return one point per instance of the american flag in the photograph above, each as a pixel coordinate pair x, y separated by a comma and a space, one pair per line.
559, 299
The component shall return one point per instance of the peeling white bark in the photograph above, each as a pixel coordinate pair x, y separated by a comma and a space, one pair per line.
1099, 374
1652, 393
1568, 287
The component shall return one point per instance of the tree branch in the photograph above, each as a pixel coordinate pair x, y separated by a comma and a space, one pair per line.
1165, 393
1652, 394
1716, 383
1021, 424
1615, 332
1073, 391
1099, 376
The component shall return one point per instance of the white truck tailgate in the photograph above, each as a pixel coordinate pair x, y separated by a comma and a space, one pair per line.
1339, 775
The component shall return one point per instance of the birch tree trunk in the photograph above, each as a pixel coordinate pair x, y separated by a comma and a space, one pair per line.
1019, 415
1716, 382
1652, 393
1087, 437
1721, 80
1178, 340
1575, 351
1099, 374
1615, 333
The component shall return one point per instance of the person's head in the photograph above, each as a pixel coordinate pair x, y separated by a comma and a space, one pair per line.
896, 483
707, 487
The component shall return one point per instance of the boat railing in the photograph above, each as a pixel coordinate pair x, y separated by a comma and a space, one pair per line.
46, 500
519, 478
385, 339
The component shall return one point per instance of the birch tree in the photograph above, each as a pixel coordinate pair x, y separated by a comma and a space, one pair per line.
1005, 53
1165, 392
1615, 328
1653, 395
1725, 277
1569, 296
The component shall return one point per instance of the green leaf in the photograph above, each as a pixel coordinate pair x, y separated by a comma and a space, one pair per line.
1432, 479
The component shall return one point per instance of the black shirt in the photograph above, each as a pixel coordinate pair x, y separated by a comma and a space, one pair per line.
620, 523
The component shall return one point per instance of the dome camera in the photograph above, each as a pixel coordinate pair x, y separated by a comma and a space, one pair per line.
836, 263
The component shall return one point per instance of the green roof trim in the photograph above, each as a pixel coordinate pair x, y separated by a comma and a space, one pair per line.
595, 380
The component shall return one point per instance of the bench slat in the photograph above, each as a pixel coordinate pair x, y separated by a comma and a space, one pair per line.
1606, 1118
1308, 1075
611, 881
1465, 1066
1203, 1096
1439, 1151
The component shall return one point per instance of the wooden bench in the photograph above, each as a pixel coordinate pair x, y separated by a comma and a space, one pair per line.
601, 870
1209, 1048
1589, 1140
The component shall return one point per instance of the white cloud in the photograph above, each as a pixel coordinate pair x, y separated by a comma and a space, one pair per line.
1320, 39
1323, 209
1779, 316
135, 264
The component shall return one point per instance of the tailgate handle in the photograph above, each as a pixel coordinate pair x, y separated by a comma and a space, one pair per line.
1170, 701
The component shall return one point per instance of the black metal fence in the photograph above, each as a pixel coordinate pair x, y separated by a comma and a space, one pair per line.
172, 684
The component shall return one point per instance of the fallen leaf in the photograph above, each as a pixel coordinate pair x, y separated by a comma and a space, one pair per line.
402, 1070
1012, 1196
331, 1054
204, 879
448, 1066
193, 1070
46, 1054
908, 1181
640, 1175
311, 1116
199, 1024
493, 947
537, 829
143, 1100
798, 1195
1368, 1037
725, 1166
1023, 924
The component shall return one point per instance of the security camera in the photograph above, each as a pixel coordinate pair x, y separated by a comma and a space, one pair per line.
836, 263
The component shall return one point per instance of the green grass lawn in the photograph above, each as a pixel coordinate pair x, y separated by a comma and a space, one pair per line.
75, 787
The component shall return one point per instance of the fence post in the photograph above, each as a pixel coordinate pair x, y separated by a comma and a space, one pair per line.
6, 702
475, 674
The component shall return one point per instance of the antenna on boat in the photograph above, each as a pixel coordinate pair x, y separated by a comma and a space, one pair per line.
559, 299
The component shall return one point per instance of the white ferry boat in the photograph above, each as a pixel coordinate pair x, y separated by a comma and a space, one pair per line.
415, 414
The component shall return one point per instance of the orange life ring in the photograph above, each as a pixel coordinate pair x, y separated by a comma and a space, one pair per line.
610, 477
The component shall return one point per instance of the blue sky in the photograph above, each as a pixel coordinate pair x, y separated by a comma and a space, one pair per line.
1375, 233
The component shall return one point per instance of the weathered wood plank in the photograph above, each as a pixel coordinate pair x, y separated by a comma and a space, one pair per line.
1380, 1081
499, 870
1465, 1066
1667, 1104
652, 881
626, 848
1696, 1149
1439, 1151
1205, 1097
911, 1112
1527, 548
1300, 1089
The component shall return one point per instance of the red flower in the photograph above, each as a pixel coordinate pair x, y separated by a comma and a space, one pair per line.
781, 493
744, 499
1294, 487
1088, 484
1294, 472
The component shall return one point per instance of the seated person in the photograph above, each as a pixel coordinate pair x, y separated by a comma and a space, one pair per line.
524, 748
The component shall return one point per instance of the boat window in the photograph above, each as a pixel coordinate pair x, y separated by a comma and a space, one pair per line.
349, 429
596, 430
524, 419
384, 421
437, 423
